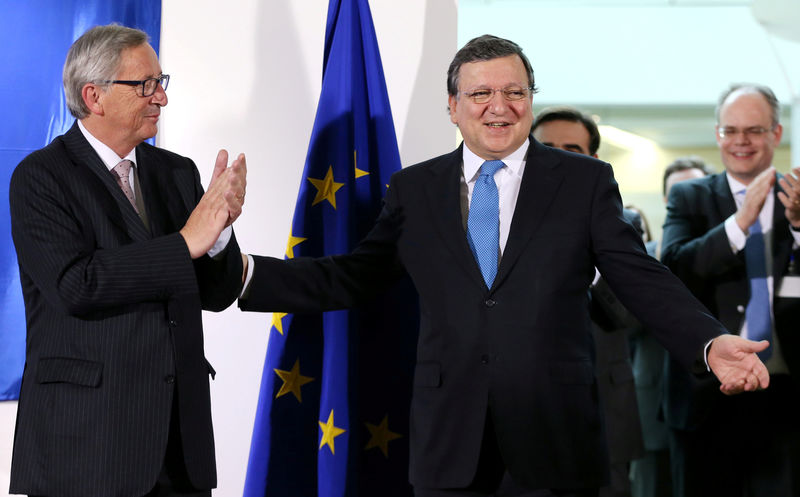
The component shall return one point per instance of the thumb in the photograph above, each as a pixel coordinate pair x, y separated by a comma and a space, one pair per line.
752, 346
220, 164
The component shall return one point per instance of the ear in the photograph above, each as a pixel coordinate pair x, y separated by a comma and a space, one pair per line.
716, 135
452, 101
92, 95
778, 133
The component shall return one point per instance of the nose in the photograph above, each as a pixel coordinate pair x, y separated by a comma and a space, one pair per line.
497, 103
160, 96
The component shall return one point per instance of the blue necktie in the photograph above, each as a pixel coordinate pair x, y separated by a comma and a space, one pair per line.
759, 321
483, 221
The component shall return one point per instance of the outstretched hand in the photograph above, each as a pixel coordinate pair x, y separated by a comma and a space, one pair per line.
219, 207
734, 361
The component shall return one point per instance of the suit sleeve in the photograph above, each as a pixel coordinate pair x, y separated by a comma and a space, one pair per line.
218, 278
695, 254
57, 248
655, 296
305, 284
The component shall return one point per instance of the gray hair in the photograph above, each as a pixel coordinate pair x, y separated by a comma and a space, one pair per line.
765, 92
94, 57
486, 47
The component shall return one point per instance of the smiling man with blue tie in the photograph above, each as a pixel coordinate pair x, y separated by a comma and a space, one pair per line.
501, 238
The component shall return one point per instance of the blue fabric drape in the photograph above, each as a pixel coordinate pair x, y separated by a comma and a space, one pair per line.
35, 36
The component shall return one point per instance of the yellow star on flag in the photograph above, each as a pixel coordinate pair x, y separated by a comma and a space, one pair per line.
329, 432
381, 436
359, 172
292, 243
292, 381
276, 321
326, 188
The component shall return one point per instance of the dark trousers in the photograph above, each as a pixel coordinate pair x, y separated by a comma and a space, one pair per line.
748, 447
492, 480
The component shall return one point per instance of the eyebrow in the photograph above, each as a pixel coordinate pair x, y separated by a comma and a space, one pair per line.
572, 147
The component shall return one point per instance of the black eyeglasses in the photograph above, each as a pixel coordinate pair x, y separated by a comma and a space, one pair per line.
147, 86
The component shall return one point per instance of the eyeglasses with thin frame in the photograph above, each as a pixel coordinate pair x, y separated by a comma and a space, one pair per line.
147, 87
510, 93
729, 132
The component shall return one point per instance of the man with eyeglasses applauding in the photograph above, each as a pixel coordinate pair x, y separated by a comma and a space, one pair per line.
119, 251
732, 238
501, 237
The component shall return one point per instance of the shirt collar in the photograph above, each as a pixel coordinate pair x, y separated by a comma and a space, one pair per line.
735, 185
513, 162
108, 156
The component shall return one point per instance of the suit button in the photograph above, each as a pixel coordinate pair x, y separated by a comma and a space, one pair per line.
485, 359
169, 379
490, 303
173, 323
740, 309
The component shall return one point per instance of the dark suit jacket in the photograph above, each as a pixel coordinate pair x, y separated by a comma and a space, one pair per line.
697, 250
613, 324
522, 349
114, 323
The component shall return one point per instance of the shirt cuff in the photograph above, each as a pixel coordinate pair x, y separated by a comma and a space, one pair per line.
246, 287
795, 236
705, 354
736, 237
221, 242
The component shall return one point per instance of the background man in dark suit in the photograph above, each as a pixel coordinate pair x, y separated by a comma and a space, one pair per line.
650, 474
569, 129
732, 237
504, 380
115, 270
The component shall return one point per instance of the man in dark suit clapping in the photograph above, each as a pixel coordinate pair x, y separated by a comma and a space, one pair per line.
119, 251
732, 238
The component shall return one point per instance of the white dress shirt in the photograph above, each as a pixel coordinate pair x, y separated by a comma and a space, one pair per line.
508, 180
737, 239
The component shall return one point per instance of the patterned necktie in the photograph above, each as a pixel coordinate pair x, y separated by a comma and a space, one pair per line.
483, 221
122, 171
757, 314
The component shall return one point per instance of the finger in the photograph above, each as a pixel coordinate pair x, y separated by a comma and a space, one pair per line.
788, 202
220, 164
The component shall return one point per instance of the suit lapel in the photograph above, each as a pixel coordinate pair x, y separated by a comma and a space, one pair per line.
98, 178
161, 197
782, 240
540, 183
723, 198
443, 191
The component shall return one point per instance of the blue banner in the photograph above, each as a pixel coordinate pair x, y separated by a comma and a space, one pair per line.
35, 36
332, 417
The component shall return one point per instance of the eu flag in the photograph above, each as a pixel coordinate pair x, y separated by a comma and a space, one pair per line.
332, 417
36, 35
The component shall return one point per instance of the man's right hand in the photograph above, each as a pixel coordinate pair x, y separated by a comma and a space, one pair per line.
219, 207
754, 199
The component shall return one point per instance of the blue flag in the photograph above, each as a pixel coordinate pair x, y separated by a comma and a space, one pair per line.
332, 417
36, 35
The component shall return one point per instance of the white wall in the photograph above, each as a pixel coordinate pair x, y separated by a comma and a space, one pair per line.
589, 52
246, 77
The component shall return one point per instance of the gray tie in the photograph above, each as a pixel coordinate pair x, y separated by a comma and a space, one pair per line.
122, 170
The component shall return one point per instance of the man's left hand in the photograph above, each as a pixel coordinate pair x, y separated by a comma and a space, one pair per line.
734, 361
790, 196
